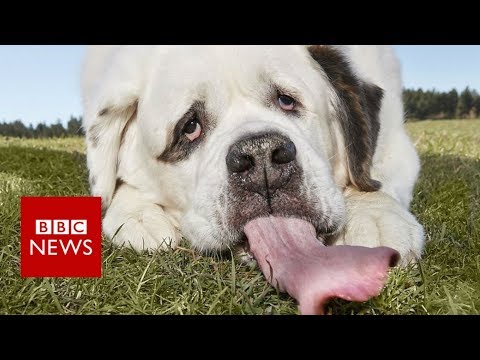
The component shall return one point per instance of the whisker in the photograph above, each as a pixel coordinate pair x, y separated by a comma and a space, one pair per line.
336, 153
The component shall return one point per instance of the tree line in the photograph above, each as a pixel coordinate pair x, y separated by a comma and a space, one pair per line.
432, 104
419, 105
18, 129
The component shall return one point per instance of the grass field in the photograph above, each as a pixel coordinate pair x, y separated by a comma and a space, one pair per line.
447, 202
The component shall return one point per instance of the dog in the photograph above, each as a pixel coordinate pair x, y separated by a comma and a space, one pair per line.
195, 141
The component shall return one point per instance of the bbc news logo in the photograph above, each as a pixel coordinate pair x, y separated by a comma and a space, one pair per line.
60, 237
61, 227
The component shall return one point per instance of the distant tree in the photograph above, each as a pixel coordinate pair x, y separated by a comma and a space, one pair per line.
465, 103
41, 130
31, 131
410, 103
19, 129
74, 126
476, 104
451, 103
57, 130
422, 104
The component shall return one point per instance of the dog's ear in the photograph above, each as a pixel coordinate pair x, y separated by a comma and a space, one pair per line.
105, 128
104, 138
356, 105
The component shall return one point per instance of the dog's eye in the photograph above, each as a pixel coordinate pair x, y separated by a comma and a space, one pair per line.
192, 129
286, 102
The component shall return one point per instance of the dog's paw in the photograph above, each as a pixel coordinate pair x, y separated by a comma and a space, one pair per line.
376, 219
147, 229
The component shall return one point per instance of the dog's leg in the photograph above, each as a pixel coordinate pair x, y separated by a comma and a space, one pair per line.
376, 219
132, 221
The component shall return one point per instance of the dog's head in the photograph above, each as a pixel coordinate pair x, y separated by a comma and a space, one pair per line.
229, 134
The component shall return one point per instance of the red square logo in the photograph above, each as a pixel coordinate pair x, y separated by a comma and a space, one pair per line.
61, 237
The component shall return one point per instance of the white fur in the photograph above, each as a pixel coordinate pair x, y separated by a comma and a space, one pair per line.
162, 198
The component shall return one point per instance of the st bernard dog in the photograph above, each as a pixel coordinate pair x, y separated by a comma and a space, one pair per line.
196, 141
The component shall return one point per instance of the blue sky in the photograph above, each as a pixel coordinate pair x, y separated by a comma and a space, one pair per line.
41, 83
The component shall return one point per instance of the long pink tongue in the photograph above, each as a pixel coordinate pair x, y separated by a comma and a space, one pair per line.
294, 261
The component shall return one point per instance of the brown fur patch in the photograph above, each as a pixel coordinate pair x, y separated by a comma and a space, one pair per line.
130, 120
94, 134
118, 184
106, 202
104, 112
358, 114
104, 207
92, 181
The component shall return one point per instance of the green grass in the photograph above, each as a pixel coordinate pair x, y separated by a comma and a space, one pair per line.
447, 202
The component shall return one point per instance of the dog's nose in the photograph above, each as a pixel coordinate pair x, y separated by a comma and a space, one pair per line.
263, 149
263, 161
